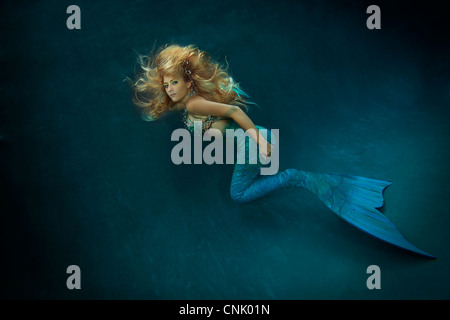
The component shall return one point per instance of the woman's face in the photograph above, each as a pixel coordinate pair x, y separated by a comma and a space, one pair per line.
176, 87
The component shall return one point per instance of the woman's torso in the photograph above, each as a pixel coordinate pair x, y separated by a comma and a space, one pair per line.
208, 122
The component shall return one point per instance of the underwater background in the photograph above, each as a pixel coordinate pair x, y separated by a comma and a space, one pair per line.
85, 181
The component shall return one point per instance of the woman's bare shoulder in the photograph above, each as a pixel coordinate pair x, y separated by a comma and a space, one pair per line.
195, 99
194, 102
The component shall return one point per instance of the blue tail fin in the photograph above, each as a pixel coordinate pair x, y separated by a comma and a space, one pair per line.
355, 200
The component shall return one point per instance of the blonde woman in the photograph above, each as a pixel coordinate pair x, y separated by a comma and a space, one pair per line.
186, 79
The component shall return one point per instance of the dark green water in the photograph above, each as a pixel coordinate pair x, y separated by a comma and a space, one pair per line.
85, 181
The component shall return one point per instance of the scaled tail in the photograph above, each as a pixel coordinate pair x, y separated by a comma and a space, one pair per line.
355, 200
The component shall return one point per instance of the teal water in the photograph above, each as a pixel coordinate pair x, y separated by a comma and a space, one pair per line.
86, 182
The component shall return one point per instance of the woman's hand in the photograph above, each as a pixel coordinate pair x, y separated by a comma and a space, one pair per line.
265, 148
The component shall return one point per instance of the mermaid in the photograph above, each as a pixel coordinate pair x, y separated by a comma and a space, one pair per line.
186, 79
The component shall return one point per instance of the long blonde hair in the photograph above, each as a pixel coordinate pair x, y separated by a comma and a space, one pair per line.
209, 79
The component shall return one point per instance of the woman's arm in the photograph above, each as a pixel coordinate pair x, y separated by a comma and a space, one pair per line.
199, 105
